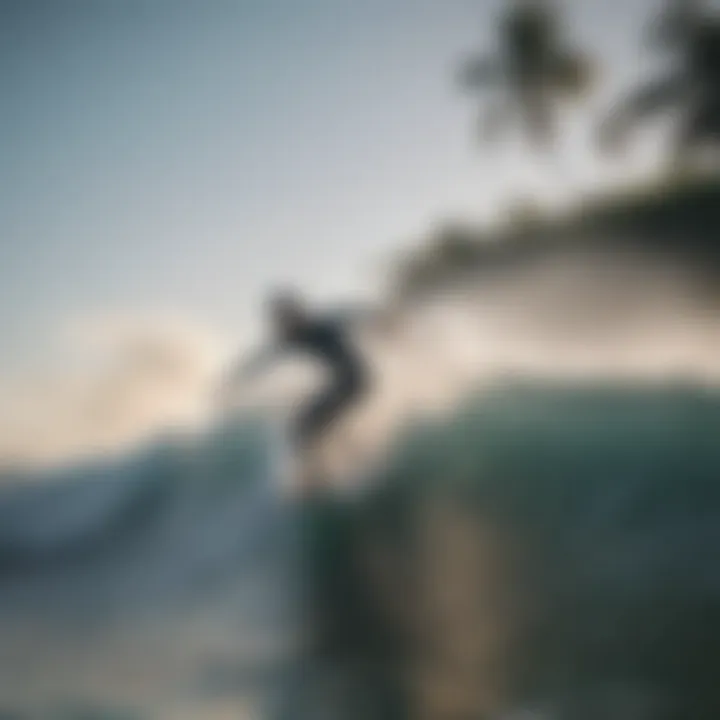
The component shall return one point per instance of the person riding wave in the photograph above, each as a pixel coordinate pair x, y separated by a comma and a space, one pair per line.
327, 338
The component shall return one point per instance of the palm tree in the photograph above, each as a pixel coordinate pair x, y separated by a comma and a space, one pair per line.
530, 73
689, 34
674, 24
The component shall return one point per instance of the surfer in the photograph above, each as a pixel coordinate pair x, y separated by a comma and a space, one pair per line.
326, 338
331, 543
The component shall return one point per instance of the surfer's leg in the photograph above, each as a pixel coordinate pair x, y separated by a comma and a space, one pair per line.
320, 413
306, 439
315, 420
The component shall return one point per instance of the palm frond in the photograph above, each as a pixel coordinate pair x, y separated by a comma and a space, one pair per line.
529, 31
674, 25
531, 72
574, 73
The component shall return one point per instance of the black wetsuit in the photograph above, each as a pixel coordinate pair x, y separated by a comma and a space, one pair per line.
328, 341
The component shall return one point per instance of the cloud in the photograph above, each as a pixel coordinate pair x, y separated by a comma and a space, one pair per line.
111, 382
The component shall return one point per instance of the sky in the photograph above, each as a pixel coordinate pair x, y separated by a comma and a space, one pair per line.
166, 162
182, 156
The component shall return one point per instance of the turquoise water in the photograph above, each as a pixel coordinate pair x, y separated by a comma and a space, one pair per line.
180, 560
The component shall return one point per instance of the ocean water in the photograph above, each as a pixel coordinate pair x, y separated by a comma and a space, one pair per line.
572, 532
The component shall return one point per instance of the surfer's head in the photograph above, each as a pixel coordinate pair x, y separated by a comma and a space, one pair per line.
287, 310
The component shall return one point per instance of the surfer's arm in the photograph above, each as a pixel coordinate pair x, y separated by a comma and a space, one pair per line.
366, 317
249, 367
354, 315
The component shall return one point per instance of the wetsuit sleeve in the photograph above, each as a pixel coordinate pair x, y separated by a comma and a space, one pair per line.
356, 315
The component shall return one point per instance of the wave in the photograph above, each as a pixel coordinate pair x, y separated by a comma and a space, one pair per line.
607, 498
147, 525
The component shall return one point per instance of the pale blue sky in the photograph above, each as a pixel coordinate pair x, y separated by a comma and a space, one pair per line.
181, 155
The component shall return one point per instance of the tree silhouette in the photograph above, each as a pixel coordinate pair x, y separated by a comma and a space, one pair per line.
530, 73
688, 34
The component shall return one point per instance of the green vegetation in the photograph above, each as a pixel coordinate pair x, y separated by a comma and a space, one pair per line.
532, 70
680, 217
530, 73
687, 36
